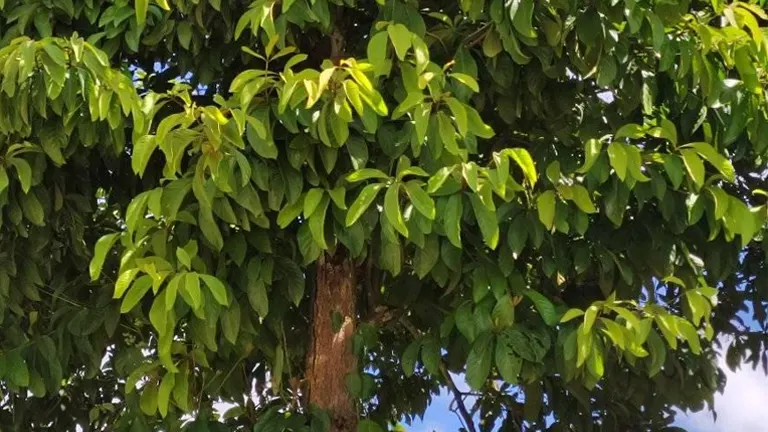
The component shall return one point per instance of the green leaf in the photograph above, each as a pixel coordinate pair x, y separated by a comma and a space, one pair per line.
544, 306
164, 393
366, 174
217, 288
591, 153
257, 296
136, 293
629, 130
427, 256
392, 208
507, 362
158, 315
523, 159
467, 81
141, 10
16, 368
410, 356
521, 14
459, 115
486, 219
571, 314
716, 159
454, 210
582, 199
366, 425
142, 151
363, 201
317, 222
210, 229
103, 245
24, 172
230, 322
190, 291
184, 33
618, 157
479, 361
401, 39
3, 179
546, 208
420, 199
377, 52
311, 200
694, 165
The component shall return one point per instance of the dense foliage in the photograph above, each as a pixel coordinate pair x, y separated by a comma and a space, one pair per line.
558, 200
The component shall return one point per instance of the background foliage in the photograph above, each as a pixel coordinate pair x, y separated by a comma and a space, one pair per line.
546, 196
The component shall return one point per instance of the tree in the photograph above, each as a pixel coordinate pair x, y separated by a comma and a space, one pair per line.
323, 211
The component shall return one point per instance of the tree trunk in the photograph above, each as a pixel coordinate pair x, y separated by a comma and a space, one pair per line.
330, 357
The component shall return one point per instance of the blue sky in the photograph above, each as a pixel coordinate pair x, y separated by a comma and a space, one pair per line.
741, 407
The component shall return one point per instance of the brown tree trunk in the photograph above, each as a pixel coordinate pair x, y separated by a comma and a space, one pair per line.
330, 357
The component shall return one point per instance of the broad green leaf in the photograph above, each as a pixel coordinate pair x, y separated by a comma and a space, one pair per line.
366, 174
571, 314
410, 356
545, 205
507, 362
142, 151
190, 290
716, 159
420, 199
135, 293
141, 10
164, 393
618, 157
426, 257
629, 130
486, 219
401, 39
311, 200
24, 173
543, 305
459, 115
479, 361
582, 199
392, 208
158, 315
257, 296
454, 210
317, 222
103, 246
467, 81
210, 229
694, 165
217, 288
523, 159
591, 153
363, 201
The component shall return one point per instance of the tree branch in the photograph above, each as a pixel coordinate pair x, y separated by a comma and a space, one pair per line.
457, 396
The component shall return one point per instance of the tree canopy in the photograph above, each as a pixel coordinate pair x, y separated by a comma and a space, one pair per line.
321, 212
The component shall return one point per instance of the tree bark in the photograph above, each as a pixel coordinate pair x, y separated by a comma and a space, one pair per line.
330, 357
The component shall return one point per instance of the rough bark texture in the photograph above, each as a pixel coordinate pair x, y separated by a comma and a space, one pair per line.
330, 357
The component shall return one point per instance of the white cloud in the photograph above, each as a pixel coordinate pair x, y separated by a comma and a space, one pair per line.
741, 407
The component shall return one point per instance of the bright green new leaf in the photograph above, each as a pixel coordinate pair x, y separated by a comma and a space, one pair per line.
545, 205
103, 246
392, 208
363, 201
401, 39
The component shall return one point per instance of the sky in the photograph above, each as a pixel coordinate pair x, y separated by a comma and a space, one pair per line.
741, 407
